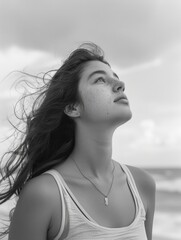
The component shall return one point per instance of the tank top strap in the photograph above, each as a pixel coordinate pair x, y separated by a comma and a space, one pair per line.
56, 176
134, 187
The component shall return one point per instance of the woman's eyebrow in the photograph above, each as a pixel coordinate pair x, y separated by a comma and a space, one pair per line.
101, 71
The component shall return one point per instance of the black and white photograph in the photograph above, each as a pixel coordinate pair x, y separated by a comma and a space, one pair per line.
90, 120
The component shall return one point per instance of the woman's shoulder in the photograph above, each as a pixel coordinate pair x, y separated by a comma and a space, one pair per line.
145, 183
40, 186
34, 209
40, 190
142, 177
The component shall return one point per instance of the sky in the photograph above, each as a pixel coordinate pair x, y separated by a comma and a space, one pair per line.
141, 40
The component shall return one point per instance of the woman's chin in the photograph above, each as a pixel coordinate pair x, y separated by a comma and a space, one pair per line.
124, 117
129, 115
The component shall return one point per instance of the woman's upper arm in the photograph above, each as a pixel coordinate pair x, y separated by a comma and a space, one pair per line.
146, 187
32, 215
150, 189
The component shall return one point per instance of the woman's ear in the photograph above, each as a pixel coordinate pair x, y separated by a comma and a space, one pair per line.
72, 110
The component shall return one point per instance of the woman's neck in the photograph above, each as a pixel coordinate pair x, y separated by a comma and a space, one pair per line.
93, 151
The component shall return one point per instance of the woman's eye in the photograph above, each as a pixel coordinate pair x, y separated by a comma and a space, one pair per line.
100, 79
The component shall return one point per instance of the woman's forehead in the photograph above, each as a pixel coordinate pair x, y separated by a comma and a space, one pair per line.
95, 66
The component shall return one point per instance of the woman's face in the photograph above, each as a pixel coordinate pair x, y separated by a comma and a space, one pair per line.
99, 88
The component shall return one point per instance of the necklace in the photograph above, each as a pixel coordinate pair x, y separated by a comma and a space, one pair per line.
106, 202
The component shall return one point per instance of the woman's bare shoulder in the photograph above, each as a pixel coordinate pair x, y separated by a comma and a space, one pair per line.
142, 177
145, 183
147, 189
33, 213
39, 191
39, 187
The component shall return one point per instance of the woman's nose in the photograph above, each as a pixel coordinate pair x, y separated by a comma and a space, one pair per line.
119, 86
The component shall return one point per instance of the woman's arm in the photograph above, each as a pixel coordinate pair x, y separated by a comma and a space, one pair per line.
147, 188
33, 212
149, 191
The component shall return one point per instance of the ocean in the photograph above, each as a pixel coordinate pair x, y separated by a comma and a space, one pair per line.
167, 219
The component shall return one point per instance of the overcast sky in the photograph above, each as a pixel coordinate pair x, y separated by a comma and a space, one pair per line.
141, 40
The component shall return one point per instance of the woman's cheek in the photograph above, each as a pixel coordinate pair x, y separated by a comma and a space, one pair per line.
100, 101
97, 102
99, 97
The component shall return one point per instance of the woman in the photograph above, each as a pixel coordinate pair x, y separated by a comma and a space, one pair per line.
68, 185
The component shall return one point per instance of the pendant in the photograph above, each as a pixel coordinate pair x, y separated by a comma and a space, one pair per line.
106, 201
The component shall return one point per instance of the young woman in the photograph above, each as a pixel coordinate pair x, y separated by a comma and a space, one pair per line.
68, 185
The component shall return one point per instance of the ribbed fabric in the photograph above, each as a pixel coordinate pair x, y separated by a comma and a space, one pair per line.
82, 226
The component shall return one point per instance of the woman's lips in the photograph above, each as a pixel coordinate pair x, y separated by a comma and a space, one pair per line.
122, 99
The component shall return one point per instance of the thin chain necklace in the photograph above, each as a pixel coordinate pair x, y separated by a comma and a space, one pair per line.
106, 202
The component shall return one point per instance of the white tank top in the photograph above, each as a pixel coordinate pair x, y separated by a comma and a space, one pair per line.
82, 226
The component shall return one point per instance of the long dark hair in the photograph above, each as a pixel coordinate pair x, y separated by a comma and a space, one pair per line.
48, 138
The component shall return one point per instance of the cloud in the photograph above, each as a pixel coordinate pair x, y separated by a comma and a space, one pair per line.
129, 32
16, 58
148, 143
9, 94
139, 67
153, 136
19, 59
138, 39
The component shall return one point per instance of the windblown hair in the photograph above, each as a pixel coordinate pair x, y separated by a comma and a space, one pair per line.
49, 135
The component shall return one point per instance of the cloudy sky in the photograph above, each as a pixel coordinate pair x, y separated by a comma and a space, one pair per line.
141, 40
